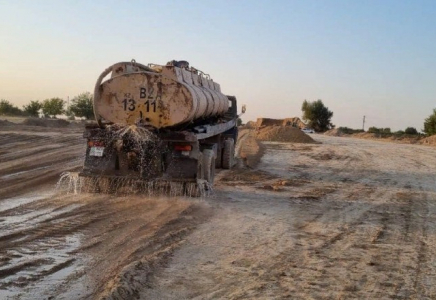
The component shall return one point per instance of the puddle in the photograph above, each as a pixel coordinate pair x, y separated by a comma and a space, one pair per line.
8, 294
16, 225
23, 172
39, 267
11, 203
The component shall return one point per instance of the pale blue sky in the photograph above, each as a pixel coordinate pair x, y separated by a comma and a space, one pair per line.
373, 58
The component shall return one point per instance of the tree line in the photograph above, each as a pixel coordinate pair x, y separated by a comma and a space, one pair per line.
318, 117
81, 106
315, 113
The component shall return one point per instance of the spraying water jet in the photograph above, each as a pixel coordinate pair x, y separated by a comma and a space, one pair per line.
159, 128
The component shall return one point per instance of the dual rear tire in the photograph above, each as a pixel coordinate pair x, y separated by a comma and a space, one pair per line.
209, 165
228, 154
228, 160
209, 161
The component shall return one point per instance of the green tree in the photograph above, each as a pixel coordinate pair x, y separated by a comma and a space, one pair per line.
7, 108
52, 107
317, 115
32, 109
411, 130
374, 130
82, 106
430, 124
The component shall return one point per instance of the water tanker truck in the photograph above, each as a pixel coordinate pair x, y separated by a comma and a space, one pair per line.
159, 124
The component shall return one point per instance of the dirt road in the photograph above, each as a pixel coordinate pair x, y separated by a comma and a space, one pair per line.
343, 219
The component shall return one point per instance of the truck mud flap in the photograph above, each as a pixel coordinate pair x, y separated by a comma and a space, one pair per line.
182, 168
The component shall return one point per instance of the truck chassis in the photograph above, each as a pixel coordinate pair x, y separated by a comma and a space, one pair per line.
116, 155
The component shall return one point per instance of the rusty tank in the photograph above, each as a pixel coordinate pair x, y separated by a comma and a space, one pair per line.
157, 96
159, 128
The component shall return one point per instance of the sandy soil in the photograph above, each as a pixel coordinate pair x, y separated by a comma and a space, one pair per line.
344, 219
287, 134
400, 139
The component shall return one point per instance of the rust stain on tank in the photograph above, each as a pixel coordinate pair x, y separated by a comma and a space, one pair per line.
165, 98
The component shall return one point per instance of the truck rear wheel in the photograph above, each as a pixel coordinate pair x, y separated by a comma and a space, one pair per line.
228, 154
200, 168
209, 165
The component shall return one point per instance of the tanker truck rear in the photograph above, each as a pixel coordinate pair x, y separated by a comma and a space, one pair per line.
159, 125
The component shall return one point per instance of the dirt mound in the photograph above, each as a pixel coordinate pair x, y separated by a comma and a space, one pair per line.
295, 122
268, 122
283, 134
6, 123
250, 125
248, 148
46, 122
334, 132
430, 141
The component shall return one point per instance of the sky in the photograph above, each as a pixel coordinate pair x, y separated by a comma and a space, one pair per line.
361, 58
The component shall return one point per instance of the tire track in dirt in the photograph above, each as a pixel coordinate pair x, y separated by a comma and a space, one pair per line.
65, 246
425, 267
32, 157
118, 232
350, 219
353, 228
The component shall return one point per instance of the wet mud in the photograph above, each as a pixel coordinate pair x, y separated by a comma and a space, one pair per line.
340, 219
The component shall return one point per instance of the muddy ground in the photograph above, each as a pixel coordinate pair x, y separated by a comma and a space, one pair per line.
345, 219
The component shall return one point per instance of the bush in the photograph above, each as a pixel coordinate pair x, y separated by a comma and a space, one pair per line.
430, 124
52, 107
7, 108
382, 131
411, 130
374, 130
82, 106
347, 130
32, 109
317, 115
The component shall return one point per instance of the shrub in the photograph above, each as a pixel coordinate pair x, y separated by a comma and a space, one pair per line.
52, 107
347, 130
82, 106
7, 108
430, 124
411, 130
32, 109
374, 130
317, 115
381, 131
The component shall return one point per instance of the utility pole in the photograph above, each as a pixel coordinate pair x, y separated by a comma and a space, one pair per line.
363, 127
